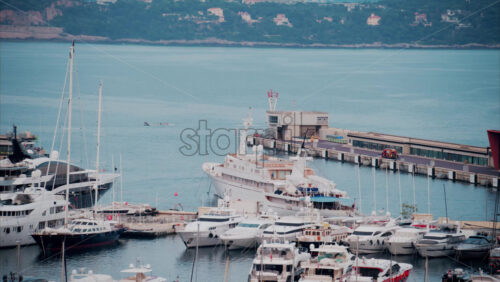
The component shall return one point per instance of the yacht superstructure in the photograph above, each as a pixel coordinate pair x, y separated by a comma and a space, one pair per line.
23, 213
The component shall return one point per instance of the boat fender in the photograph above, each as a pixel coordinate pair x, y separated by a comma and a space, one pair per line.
210, 235
378, 242
216, 236
371, 242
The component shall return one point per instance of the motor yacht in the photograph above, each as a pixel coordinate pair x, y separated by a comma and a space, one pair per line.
328, 263
323, 233
371, 238
441, 242
209, 227
245, 234
277, 261
403, 241
288, 228
474, 247
378, 270
24, 213
79, 234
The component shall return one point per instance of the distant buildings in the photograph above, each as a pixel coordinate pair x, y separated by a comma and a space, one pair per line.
373, 19
449, 17
217, 12
421, 19
247, 18
281, 19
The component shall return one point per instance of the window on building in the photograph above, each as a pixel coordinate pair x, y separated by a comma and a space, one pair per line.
273, 119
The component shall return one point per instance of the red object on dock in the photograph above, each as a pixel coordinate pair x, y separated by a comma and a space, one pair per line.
390, 154
494, 138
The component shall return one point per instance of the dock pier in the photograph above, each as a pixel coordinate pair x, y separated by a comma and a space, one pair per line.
441, 169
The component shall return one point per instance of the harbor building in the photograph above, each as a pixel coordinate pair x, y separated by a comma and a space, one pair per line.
420, 147
286, 125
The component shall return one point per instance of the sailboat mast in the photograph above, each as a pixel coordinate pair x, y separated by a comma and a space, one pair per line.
70, 100
121, 180
98, 146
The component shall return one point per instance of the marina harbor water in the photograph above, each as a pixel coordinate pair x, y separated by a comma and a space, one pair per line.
153, 94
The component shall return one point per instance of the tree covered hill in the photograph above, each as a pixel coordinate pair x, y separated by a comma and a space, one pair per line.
385, 22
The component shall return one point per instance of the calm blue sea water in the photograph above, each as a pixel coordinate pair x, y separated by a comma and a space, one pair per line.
448, 95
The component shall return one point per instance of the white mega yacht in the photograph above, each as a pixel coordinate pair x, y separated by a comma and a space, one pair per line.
279, 184
23, 213
277, 261
403, 241
371, 238
209, 227
246, 233
50, 173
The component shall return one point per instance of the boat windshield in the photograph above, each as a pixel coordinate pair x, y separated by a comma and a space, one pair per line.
369, 272
327, 272
430, 237
248, 225
213, 219
289, 224
476, 241
277, 268
362, 233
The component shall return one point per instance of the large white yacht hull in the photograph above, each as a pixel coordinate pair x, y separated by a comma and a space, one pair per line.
239, 191
401, 248
436, 250
240, 243
367, 247
200, 239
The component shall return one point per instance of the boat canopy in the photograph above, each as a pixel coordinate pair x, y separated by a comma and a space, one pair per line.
324, 199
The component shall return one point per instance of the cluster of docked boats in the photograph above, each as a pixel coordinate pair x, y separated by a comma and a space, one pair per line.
37, 192
298, 206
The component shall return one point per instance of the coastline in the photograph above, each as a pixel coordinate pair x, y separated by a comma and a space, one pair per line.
38, 33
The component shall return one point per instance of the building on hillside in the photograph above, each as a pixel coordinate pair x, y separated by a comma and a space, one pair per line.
373, 19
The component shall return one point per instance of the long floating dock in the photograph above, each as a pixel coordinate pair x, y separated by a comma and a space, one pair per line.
473, 174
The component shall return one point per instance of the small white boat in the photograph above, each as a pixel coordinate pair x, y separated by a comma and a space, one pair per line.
245, 234
378, 270
83, 275
329, 263
403, 241
276, 261
141, 273
208, 228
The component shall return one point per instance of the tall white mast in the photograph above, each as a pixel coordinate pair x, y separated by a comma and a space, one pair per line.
98, 147
71, 55
121, 180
